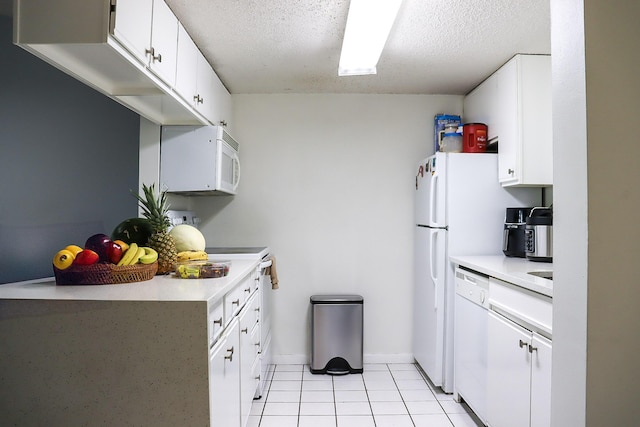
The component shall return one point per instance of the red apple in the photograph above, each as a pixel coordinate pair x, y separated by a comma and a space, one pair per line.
99, 243
86, 257
114, 252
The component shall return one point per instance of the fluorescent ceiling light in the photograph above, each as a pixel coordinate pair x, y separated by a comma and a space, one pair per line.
368, 26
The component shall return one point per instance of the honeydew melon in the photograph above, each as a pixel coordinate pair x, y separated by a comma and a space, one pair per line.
187, 238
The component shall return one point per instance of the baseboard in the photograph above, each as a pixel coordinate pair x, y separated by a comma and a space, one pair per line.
303, 359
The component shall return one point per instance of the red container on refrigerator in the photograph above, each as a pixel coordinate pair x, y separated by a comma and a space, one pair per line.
474, 138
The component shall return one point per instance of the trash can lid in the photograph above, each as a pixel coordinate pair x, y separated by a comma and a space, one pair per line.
336, 299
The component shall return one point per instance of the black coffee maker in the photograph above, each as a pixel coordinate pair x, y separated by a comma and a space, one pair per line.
514, 242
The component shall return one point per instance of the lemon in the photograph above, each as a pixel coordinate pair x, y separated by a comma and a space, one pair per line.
63, 259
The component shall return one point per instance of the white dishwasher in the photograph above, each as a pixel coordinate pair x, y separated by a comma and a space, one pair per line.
471, 336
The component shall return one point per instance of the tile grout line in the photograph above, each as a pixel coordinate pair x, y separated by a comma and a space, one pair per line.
425, 377
366, 391
401, 396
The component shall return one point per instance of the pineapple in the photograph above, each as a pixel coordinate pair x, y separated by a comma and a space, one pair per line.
155, 210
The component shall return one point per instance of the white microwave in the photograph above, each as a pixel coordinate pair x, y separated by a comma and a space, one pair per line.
198, 160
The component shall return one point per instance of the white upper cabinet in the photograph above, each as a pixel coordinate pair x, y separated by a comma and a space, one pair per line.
198, 84
127, 49
132, 26
186, 70
164, 42
515, 103
149, 30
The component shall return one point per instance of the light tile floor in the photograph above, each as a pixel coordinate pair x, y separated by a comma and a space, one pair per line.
384, 395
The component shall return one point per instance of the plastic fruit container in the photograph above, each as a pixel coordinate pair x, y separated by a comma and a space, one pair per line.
202, 269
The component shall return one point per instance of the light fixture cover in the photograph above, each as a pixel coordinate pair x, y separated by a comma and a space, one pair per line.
368, 25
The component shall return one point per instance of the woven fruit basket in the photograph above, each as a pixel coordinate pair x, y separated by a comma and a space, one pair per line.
105, 274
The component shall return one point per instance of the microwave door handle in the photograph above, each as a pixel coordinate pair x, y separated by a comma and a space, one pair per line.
236, 176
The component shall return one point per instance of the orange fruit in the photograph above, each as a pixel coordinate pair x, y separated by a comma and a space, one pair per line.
122, 244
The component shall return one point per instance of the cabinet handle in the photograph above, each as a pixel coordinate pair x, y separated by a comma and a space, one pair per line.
258, 378
236, 302
152, 52
229, 357
245, 330
248, 290
257, 344
223, 123
257, 309
510, 171
532, 348
218, 322
198, 99
523, 344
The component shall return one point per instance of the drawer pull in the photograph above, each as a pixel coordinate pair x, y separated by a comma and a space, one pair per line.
258, 378
248, 290
229, 357
236, 302
257, 309
523, 344
532, 348
218, 322
245, 330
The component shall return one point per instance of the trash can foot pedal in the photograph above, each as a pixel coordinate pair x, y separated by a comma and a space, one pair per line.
337, 366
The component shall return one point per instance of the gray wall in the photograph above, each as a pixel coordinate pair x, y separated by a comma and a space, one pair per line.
68, 157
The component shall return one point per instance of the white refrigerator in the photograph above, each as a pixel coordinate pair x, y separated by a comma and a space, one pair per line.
459, 210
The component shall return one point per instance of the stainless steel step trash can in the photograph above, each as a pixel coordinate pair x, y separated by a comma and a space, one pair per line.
336, 334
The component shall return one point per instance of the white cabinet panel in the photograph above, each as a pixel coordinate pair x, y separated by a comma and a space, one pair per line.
224, 379
540, 382
164, 42
509, 373
248, 357
133, 26
186, 70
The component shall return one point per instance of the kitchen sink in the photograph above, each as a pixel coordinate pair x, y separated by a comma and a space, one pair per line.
544, 274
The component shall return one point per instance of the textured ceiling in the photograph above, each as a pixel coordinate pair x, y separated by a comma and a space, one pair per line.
435, 47
293, 46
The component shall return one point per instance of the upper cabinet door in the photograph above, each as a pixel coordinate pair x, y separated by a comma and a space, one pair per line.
222, 107
164, 42
515, 103
133, 26
186, 70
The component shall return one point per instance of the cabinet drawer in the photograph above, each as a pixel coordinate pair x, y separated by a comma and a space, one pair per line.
529, 309
255, 342
215, 322
233, 301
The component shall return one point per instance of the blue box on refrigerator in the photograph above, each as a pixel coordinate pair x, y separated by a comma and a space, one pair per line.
438, 127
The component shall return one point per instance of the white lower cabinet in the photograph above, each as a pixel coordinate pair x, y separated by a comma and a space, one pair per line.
248, 358
234, 360
519, 375
541, 382
224, 379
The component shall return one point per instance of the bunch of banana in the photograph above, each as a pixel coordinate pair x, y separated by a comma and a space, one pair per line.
192, 256
138, 254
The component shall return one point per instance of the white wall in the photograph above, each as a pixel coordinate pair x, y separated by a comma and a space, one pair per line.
327, 182
596, 101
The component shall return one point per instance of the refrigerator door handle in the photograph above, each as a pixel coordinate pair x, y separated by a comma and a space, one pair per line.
435, 177
432, 265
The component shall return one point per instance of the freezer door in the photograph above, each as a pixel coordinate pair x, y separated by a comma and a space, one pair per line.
428, 311
430, 196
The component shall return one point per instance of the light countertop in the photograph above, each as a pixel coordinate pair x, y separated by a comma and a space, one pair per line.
160, 288
512, 270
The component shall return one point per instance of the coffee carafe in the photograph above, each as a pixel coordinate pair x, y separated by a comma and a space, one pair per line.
513, 243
